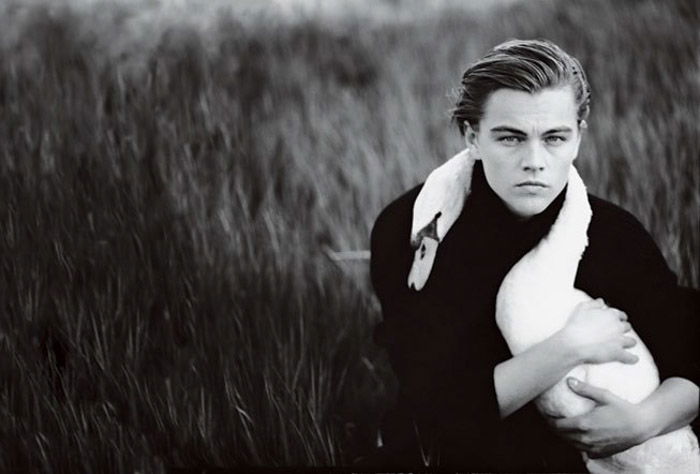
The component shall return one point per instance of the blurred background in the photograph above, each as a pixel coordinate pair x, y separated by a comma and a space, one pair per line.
176, 175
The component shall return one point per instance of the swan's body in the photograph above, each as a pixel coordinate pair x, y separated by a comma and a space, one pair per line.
536, 299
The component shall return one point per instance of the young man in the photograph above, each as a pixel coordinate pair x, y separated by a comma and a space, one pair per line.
464, 400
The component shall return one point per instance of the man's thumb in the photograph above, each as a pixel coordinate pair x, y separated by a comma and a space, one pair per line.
583, 389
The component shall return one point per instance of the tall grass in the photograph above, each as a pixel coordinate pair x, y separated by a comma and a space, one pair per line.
167, 200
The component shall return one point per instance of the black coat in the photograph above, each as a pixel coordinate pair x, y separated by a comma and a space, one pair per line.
443, 342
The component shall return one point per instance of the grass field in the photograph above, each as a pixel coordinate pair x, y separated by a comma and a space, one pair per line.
169, 193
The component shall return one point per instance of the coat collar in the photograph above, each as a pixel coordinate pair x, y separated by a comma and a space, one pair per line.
487, 207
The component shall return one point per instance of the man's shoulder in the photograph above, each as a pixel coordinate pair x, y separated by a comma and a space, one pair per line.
395, 219
610, 216
617, 234
391, 251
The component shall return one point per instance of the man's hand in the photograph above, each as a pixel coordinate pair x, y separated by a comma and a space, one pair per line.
614, 425
598, 334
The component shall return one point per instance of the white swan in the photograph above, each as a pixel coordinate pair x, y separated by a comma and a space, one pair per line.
536, 299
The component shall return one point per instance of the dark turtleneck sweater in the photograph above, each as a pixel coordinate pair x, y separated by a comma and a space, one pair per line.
443, 342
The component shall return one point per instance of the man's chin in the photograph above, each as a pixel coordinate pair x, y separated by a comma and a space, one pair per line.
529, 209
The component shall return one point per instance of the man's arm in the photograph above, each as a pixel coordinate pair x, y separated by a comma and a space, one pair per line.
593, 334
523, 377
671, 406
615, 425
641, 284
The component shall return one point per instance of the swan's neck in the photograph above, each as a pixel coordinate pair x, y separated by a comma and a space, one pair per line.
559, 252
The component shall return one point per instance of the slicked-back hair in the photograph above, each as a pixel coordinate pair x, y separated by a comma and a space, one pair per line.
524, 65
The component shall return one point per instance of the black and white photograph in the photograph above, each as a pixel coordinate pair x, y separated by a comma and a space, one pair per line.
350, 236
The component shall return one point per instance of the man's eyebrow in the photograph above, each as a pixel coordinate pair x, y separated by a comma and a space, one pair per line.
558, 130
506, 129
503, 128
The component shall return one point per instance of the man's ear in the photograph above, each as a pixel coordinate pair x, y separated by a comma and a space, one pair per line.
470, 136
582, 127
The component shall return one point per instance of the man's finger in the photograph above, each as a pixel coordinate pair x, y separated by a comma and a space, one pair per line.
627, 358
598, 395
576, 440
595, 454
598, 303
628, 342
568, 427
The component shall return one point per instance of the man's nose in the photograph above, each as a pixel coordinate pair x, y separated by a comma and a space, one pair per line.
534, 157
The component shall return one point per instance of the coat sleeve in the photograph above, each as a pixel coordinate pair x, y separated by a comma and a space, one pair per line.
452, 389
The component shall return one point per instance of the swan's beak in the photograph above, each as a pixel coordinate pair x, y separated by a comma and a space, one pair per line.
442, 196
422, 263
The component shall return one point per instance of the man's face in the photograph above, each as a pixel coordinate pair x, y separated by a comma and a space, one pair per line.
527, 143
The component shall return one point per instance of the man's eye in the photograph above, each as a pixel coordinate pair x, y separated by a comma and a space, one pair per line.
555, 139
510, 140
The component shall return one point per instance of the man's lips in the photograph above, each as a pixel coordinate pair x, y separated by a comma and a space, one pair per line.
539, 184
